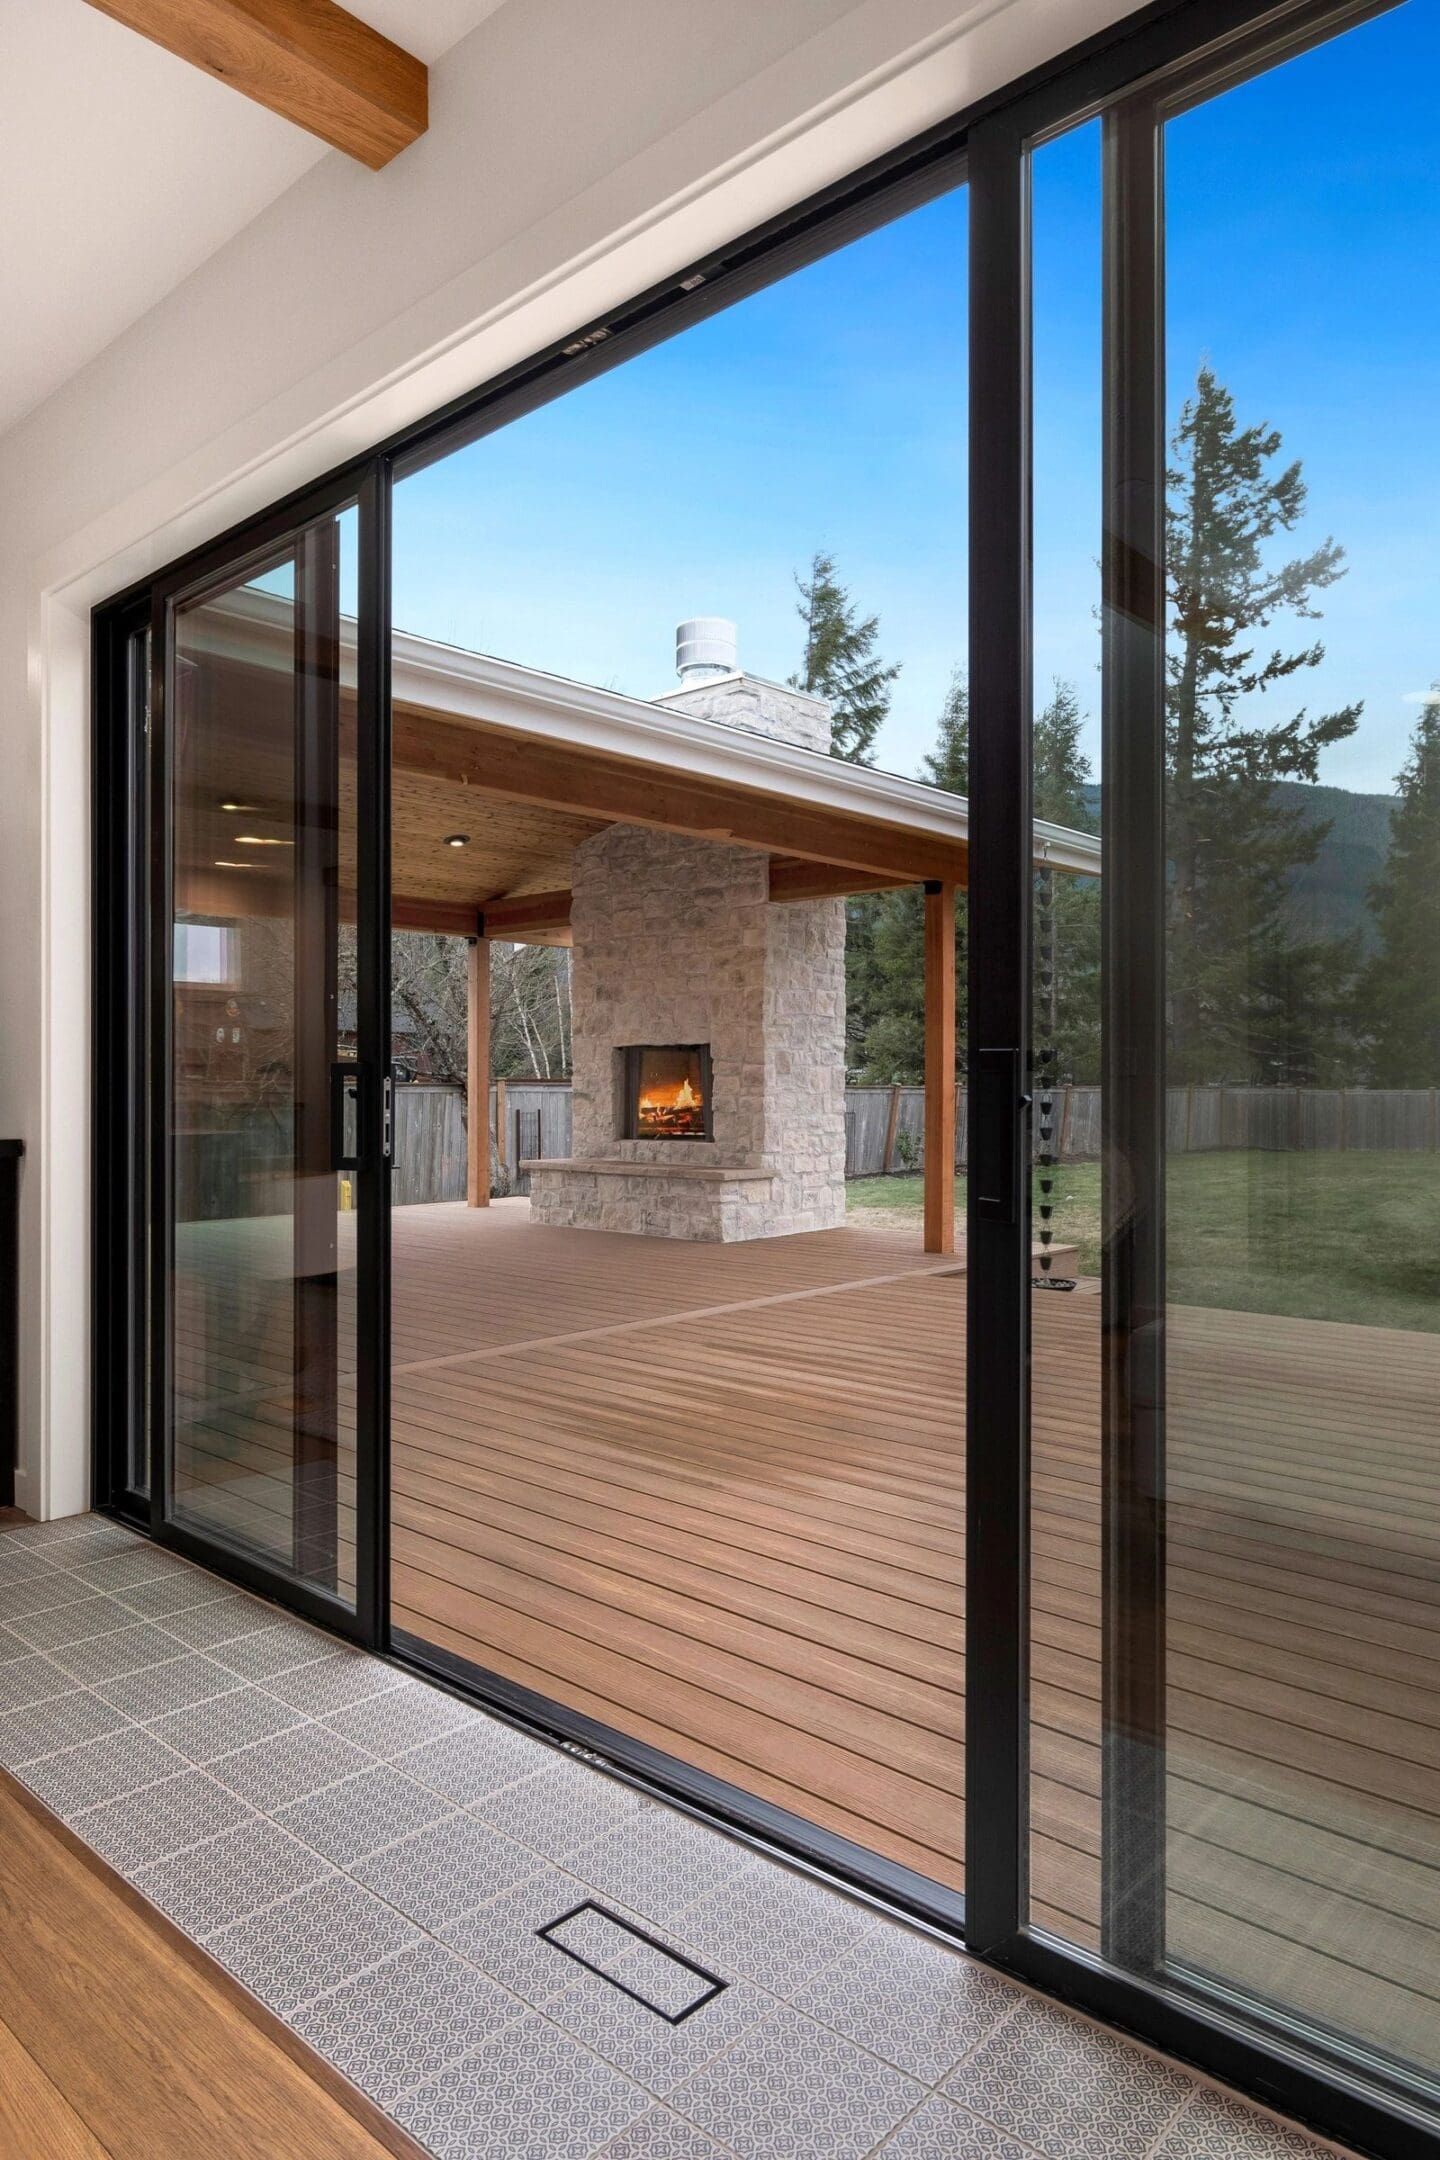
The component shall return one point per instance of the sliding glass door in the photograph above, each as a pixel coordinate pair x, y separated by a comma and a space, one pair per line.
1210, 1422
269, 1141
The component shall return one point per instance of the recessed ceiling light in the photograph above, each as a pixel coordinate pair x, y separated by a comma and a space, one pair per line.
250, 839
235, 865
457, 839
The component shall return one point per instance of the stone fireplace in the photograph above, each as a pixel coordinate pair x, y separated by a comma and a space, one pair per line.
708, 1024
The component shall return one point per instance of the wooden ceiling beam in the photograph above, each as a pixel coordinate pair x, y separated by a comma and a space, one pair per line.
308, 60
444, 918
524, 768
522, 918
799, 880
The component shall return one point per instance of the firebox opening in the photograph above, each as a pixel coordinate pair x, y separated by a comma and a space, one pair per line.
667, 1091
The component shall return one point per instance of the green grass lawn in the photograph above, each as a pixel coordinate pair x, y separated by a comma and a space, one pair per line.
1351, 1236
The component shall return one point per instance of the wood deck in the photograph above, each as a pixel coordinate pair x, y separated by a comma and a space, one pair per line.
713, 1496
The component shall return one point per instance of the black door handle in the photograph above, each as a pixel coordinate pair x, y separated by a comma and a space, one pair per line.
345, 1125
997, 1140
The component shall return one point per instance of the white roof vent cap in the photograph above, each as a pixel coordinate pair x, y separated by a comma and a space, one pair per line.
705, 647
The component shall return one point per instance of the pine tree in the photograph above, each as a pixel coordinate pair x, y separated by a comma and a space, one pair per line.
885, 947
1232, 846
840, 662
948, 764
1066, 1017
1401, 991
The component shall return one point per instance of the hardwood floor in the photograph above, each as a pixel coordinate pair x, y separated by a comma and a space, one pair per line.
117, 2044
713, 1496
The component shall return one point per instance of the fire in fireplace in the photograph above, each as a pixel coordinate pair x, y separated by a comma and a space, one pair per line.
667, 1091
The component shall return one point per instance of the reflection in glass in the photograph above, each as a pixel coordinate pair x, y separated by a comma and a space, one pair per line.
262, 1279
1303, 989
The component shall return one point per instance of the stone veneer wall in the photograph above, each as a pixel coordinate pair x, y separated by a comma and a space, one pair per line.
676, 941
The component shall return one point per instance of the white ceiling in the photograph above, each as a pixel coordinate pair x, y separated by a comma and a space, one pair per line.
123, 168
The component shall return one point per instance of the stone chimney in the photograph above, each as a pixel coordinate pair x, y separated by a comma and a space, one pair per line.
712, 687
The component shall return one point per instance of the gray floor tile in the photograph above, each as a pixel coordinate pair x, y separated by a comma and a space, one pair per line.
124, 1761
469, 1765
312, 1943
26, 1735
229, 1877
559, 1807
11, 1647
63, 1530
655, 2053
161, 1820
1213, 2126
154, 1598
273, 1772
117, 1652
160, 1689
17, 1564
80, 1622
40, 1593
775, 1927
361, 1814
400, 2023
94, 1541
31, 1679
211, 1621
661, 2135
278, 1648
394, 1723
531, 2093
942, 2131
209, 1729
446, 1870
1068, 2088
500, 1937
334, 1683
127, 1570
790, 2090
657, 1862
919, 2006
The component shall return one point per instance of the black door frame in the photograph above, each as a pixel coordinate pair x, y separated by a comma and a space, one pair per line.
1302, 2072
132, 775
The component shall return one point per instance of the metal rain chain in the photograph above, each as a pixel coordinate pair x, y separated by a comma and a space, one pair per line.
1046, 1059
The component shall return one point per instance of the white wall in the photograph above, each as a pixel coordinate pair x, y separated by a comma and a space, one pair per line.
576, 154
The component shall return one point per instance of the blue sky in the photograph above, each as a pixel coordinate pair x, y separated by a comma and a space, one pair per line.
1303, 262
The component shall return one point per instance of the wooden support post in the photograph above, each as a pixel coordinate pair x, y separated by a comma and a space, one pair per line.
940, 1067
892, 1126
477, 1076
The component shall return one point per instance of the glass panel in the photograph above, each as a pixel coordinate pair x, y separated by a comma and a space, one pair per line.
678, 1397
1302, 955
1065, 1560
263, 1278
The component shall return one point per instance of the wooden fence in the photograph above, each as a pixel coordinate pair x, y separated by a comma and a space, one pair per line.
243, 1167
430, 1140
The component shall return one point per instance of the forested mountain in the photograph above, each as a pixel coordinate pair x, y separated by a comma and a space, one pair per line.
1330, 896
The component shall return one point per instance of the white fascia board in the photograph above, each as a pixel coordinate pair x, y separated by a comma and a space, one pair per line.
476, 687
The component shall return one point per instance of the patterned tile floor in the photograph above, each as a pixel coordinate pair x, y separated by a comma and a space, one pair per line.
372, 1859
